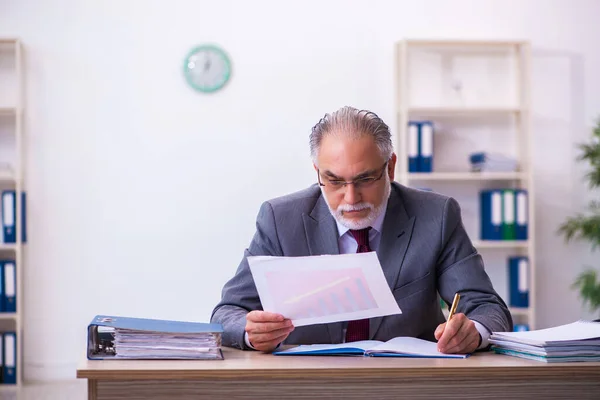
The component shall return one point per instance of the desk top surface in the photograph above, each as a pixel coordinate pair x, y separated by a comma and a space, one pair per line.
252, 364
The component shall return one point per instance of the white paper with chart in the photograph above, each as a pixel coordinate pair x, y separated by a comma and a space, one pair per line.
322, 289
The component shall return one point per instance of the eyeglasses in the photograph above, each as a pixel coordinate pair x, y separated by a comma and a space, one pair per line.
359, 183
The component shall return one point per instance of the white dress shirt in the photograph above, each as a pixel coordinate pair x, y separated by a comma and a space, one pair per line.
348, 244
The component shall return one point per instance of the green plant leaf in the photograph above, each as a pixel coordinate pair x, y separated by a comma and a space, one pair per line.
586, 226
589, 289
582, 227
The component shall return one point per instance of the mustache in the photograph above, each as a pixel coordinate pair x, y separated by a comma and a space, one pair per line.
355, 207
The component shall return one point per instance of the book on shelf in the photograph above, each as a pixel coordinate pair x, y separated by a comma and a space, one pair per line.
402, 346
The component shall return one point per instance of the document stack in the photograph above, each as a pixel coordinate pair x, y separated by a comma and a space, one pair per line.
492, 162
112, 337
577, 341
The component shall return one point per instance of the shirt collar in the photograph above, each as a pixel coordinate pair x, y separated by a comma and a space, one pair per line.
377, 224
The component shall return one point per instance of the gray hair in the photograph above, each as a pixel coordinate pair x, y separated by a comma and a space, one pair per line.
355, 123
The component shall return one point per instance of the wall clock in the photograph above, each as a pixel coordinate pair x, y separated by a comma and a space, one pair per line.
207, 68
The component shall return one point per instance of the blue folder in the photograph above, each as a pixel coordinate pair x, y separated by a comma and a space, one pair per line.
426, 146
413, 146
520, 327
101, 332
9, 210
2, 306
9, 221
521, 220
9, 291
518, 278
491, 214
9, 347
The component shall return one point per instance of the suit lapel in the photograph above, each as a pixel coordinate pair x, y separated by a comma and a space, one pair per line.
322, 237
395, 236
321, 230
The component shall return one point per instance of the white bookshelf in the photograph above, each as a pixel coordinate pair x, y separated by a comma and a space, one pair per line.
501, 244
444, 81
11, 151
462, 112
466, 176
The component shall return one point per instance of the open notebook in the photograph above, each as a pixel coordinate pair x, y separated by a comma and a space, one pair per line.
396, 347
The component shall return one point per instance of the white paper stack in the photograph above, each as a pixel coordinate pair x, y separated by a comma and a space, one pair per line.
143, 344
577, 341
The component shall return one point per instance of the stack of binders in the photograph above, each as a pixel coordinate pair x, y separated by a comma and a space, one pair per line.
420, 146
113, 337
504, 214
577, 341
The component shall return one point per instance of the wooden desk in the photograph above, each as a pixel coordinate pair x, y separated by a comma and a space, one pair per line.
252, 375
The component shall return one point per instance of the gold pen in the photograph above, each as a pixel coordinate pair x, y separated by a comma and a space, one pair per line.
454, 305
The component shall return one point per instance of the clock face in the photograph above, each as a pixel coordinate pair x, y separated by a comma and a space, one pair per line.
207, 68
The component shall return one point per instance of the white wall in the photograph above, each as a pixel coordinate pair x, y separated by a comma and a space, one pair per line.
143, 194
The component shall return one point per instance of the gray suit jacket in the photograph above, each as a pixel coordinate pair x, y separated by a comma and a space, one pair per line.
424, 250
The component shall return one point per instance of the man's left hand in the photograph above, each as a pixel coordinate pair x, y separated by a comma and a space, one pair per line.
457, 336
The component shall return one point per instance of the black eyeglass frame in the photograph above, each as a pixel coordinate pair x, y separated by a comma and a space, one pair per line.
357, 183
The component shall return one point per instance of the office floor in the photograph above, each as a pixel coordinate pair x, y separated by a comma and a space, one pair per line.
68, 390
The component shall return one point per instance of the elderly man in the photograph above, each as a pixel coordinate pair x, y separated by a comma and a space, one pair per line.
355, 206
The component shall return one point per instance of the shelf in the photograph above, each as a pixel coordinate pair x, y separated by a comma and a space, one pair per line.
6, 175
8, 316
500, 244
467, 176
462, 43
8, 111
11, 176
462, 111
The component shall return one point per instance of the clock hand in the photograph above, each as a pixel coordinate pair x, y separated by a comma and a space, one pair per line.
207, 64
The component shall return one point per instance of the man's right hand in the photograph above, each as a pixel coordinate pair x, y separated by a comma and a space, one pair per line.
266, 330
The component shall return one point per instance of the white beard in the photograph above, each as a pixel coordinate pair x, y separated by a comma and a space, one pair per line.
367, 221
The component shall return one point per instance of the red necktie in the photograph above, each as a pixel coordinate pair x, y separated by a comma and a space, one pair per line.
359, 330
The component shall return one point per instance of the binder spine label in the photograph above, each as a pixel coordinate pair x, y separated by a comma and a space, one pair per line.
9, 350
9, 279
496, 209
8, 214
413, 144
523, 276
522, 208
426, 140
